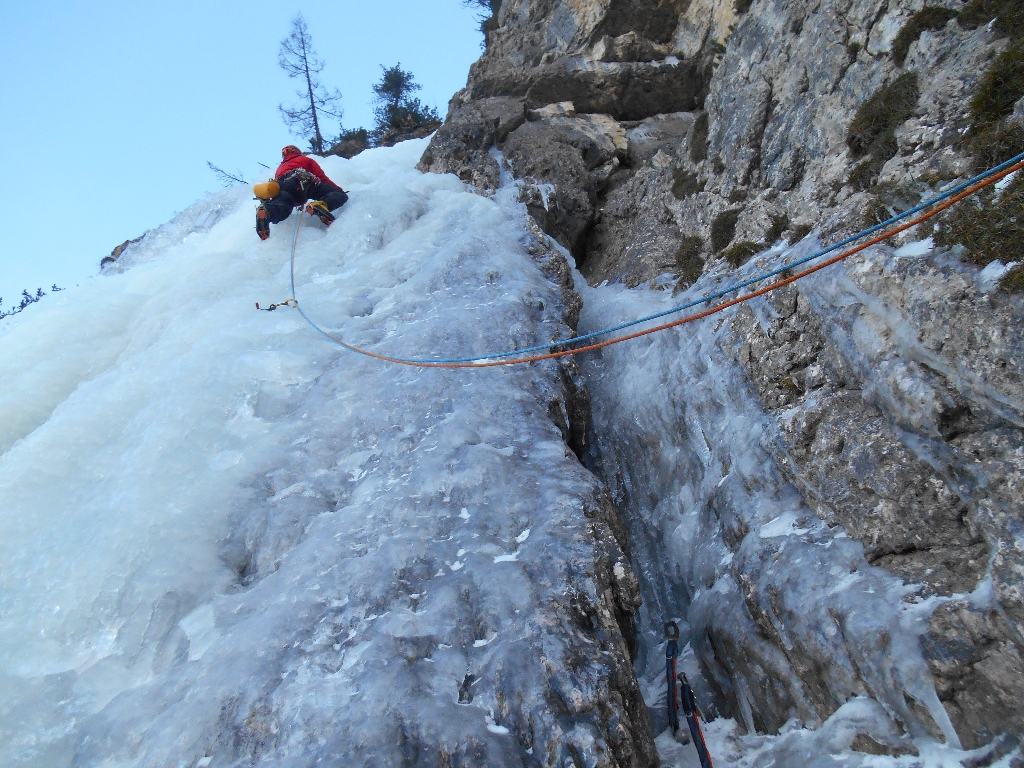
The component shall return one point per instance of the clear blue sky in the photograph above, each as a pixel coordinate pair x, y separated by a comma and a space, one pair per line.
109, 111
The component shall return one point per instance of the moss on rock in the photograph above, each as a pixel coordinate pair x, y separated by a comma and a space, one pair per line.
800, 231
995, 143
930, 17
699, 138
1013, 281
780, 224
1000, 88
741, 252
873, 130
1008, 14
685, 183
723, 228
689, 264
990, 227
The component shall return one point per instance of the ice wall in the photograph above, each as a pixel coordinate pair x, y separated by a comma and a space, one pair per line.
225, 541
735, 536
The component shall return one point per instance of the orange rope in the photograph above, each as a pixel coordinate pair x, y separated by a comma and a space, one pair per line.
699, 315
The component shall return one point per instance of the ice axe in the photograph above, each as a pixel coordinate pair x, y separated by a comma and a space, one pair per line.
685, 695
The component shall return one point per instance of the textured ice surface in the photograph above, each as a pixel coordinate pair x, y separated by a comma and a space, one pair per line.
686, 447
225, 541
826, 747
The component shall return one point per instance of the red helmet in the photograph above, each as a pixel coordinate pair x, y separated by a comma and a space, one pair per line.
290, 150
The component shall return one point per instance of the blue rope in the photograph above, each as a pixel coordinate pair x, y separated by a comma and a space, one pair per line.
569, 343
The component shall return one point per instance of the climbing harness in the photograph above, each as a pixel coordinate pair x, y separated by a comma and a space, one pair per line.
684, 694
563, 348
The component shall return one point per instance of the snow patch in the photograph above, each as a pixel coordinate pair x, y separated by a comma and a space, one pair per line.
988, 278
493, 727
783, 525
914, 249
1003, 183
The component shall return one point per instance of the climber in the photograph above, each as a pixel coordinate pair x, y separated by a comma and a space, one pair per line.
299, 180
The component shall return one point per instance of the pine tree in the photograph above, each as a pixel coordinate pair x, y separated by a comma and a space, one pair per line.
298, 59
395, 105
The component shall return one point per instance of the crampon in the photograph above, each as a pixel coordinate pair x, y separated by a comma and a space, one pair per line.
262, 223
319, 209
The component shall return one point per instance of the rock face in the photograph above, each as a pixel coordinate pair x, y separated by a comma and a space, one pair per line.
844, 451
115, 254
404, 133
669, 142
978, 671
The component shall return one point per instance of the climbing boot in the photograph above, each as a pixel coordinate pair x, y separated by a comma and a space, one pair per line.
319, 209
262, 222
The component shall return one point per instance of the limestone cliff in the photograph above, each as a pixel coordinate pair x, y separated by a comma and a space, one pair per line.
666, 143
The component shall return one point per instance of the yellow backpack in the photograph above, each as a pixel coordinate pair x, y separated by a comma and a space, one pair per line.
266, 190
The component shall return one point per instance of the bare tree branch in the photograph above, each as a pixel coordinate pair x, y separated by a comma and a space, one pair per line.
225, 178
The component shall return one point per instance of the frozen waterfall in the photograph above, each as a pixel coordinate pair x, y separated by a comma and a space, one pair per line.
225, 541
